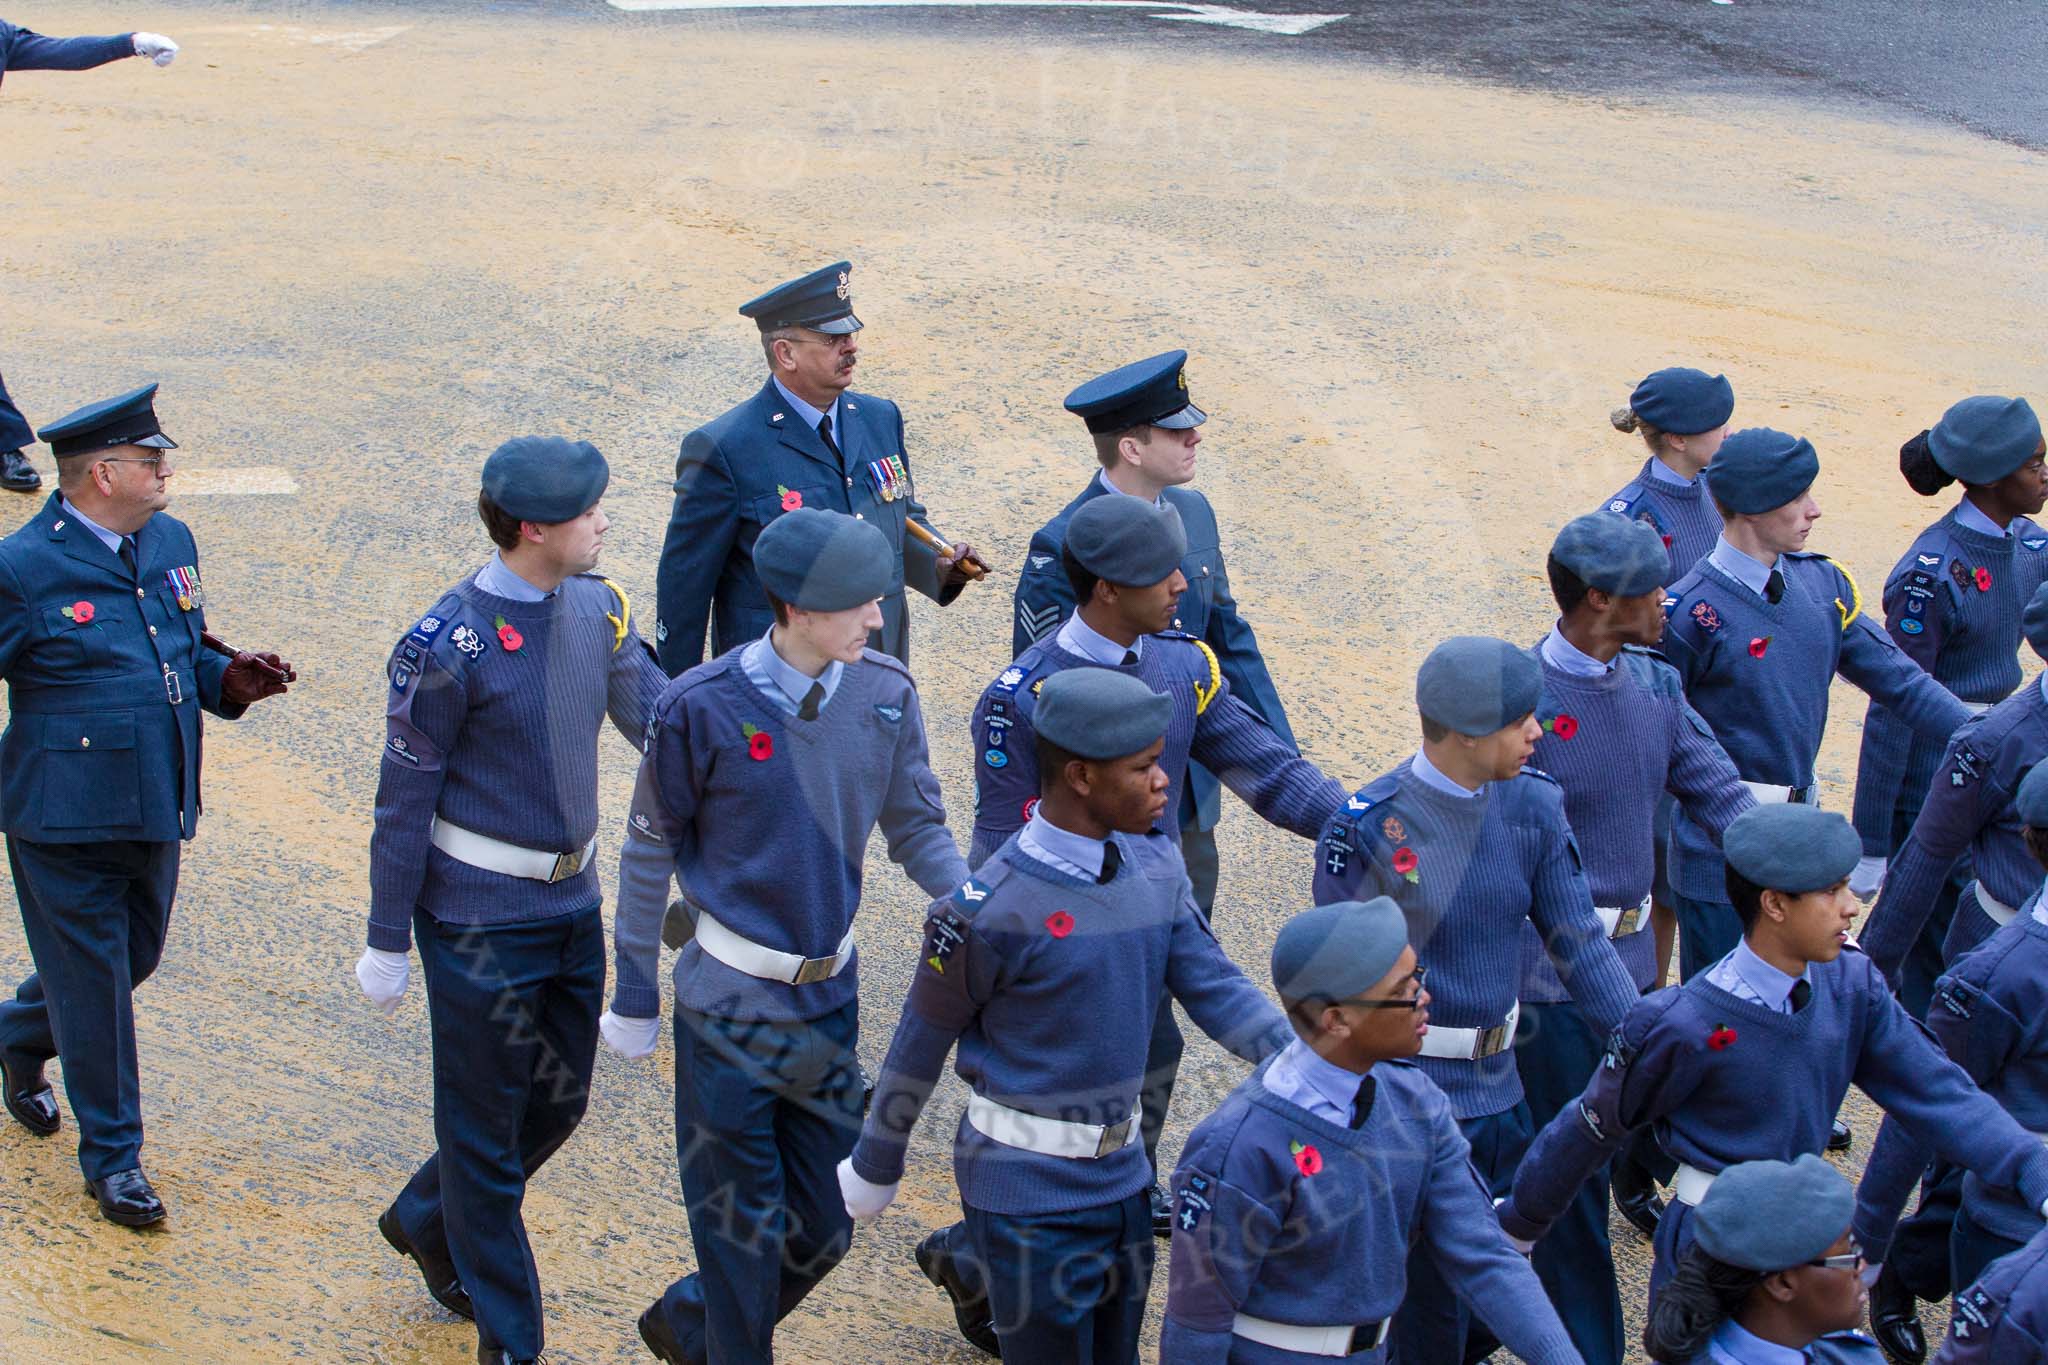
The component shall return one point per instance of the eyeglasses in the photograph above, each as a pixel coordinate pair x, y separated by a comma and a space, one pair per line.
834, 342
155, 462
1412, 1002
1852, 1259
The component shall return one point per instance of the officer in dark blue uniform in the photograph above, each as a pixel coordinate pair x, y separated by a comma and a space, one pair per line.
101, 611
1143, 422
805, 440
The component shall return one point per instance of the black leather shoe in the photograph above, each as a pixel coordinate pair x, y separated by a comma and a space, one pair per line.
27, 1097
500, 1356
1162, 1214
126, 1198
1635, 1195
971, 1313
439, 1273
660, 1337
17, 473
1840, 1138
1895, 1319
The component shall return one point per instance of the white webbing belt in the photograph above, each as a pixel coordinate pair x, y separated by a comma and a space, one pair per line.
495, 855
1620, 922
1999, 912
1049, 1137
1770, 793
1978, 708
1310, 1341
770, 964
1691, 1185
1471, 1044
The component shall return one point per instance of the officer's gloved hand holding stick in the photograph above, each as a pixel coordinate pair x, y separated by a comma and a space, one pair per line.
383, 974
156, 47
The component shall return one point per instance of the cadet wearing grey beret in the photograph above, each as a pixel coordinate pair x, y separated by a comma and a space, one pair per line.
1127, 541
1099, 713
1613, 553
1758, 470
1475, 685
824, 561
1791, 848
1338, 951
1774, 1215
1981, 440
545, 479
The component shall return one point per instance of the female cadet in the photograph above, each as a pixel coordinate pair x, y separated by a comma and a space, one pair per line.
1953, 603
1772, 1277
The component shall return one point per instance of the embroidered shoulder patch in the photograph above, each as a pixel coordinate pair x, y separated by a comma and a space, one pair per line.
948, 932
1963, 767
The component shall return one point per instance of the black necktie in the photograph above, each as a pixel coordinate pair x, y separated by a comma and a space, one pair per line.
1130, 657
1774, 586
128, 554
825, 434
1111, 861
1361, 1103
807, 709
1802, 991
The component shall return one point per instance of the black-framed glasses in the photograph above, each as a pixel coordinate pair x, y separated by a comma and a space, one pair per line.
1852, 1259
1412, 1002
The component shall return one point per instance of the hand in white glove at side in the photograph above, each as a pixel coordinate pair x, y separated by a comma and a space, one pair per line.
864, 1199
1868, 877
383, 975
628, 1037
1519, 1244
156, 47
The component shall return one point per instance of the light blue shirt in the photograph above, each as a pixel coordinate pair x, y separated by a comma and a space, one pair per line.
1432, 776
810, 415
1750, 573
498, 580
1746, 976
1569, 659
1970, 515
2040, 910
111, 539
1102, 477
1732, 1344
1074, 854
1664, 473
1078, 637
1323, 1088
779, 681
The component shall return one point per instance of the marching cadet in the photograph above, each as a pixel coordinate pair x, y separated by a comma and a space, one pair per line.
1298, 1199
1617, 736
1749, 1060
1144, 425
1758, 630
1772, 1275
102, 620
1472, 845
1953, 605
486, 823
1048, 968
2003, 1317
805, 440
765, 772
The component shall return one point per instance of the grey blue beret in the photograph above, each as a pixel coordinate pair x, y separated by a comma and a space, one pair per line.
1100, 713
1757, 470
2034, 621
1981, 440
1613, 553
824, 561
1774, 1215
1127, 541
2030, 802
545, 479
1338, 951
1682, 401
1475, 685
1790, 847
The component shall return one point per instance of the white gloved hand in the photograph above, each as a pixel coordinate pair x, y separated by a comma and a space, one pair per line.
628, 1037
1867, 878
864, 1199
382, 975
156, 47
1520, 1244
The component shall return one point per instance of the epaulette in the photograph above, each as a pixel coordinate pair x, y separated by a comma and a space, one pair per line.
1656, 673
1629, 502
1359, 805
1850, 609
409, 660
1528, 771
1204, 692
1010, 679
622, 620
887, 662
973, 893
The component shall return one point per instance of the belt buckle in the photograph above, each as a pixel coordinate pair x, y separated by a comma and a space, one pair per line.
814, 970
1114, 1136
1369, 1337
172, 689
1491, 1041
1627, 922
567, 865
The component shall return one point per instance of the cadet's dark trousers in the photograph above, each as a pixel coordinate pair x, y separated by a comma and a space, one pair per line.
1707, 932
765, 1112
1162, 1055
1067, 1288
1973, 1248
1434, 1326
95, 916
514, 1012
14, 431
1556, 1052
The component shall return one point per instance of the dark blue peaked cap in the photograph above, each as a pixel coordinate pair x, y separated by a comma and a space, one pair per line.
821, 301
1145, 393
129, 420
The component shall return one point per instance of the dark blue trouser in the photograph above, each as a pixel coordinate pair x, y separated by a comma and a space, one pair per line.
1067, 1288
1707, 932
1973, 1247
1434, 1326
765, 1112
1162, 1054
1556, 1052
514, 1011
95, 917
1922, 1244
14, 432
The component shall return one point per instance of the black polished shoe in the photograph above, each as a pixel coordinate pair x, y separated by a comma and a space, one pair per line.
17, 473
500, 1356
1895, 1319
660, 1337
1162, 1214
971, 1313
27, 1097
1636, 1197
439, 1273
1840, 1139
126, 1198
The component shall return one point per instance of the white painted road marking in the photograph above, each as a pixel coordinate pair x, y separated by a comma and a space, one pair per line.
263, 480
1293, 25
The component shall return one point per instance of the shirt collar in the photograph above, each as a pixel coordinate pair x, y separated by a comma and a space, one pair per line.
497, 579
1431, 776
1971, 517
809, 413
1750, 573
789, 680
1664, 473
110, 539
1067, 851
1568, 659
1078, 637
2038, 906
1772, 986
1731, 1341
1332, 1082
1102, 477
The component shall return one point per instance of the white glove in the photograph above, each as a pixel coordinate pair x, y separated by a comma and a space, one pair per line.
1867, 878
628, 1037
1519, 1244
864, 1199
156, 47
383, 975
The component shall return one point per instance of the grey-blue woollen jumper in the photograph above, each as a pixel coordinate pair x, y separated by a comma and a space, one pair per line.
1685, 516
